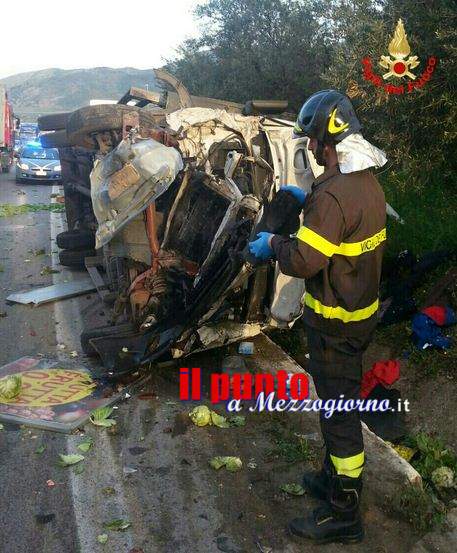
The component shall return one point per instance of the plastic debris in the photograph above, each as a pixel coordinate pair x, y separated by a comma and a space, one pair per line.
443, 477
232, 464
246, 348
293, 489
10, 386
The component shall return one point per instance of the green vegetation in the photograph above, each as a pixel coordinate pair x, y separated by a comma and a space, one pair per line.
428, 210
431, 455
426, 508
421, 509
288, 444
288, 49
10, 210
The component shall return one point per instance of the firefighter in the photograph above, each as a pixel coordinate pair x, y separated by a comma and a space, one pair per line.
338, 251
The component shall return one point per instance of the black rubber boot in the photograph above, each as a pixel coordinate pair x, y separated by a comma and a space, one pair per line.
317, 482
339, 520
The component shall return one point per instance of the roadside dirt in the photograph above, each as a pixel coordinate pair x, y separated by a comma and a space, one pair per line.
253, 510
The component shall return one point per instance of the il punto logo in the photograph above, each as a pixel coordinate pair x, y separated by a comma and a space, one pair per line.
399, 65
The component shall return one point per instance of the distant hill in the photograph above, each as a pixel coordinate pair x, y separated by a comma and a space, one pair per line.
53, 90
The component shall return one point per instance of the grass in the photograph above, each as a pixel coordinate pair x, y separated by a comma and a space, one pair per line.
419, 507
289, 446
428, 209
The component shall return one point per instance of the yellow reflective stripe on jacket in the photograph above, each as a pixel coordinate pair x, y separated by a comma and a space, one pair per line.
349, 466
329, 312
367, 245
350, 249
316, 241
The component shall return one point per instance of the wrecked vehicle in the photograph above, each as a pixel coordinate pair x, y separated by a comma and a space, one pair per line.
179, 186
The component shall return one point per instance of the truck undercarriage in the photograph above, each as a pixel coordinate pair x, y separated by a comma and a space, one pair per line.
161, 203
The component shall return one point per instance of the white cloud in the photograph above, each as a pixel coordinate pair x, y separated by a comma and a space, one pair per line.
92, 33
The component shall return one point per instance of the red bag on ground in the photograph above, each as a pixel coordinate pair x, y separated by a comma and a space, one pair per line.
382, 372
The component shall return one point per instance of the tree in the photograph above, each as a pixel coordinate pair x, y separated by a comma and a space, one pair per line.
268, 49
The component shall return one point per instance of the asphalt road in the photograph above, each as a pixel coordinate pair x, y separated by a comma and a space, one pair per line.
69, 516
152, 470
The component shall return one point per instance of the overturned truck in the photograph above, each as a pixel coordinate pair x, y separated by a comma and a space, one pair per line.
163, 192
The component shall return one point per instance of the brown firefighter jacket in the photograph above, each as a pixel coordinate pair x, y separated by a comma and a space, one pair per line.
338, 251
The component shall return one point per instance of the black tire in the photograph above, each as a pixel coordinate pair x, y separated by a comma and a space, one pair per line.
57, 139
92, 119
75, 258
53, 121
101, 332
76, 239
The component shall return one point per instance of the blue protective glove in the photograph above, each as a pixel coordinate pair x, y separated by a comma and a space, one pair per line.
296, 192
260, 248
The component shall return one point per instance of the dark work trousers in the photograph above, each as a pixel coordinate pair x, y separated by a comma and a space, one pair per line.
336, 367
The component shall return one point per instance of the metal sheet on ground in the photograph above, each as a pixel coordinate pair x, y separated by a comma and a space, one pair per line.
54, 292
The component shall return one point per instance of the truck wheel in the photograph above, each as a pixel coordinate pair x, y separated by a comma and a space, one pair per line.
53, 121
92, 119
75, 258
76, 239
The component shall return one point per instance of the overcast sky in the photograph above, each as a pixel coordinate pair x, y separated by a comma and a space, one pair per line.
91, 33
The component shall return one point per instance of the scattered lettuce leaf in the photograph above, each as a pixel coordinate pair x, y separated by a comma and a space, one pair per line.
86, 445
100, 417
293, 489
10, 386
219, 420
117, 524
68, 460
232, 464
200, 415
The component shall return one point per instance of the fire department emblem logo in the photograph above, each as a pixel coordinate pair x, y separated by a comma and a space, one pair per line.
398, 64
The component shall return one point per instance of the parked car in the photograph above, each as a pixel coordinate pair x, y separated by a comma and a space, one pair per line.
35, 163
